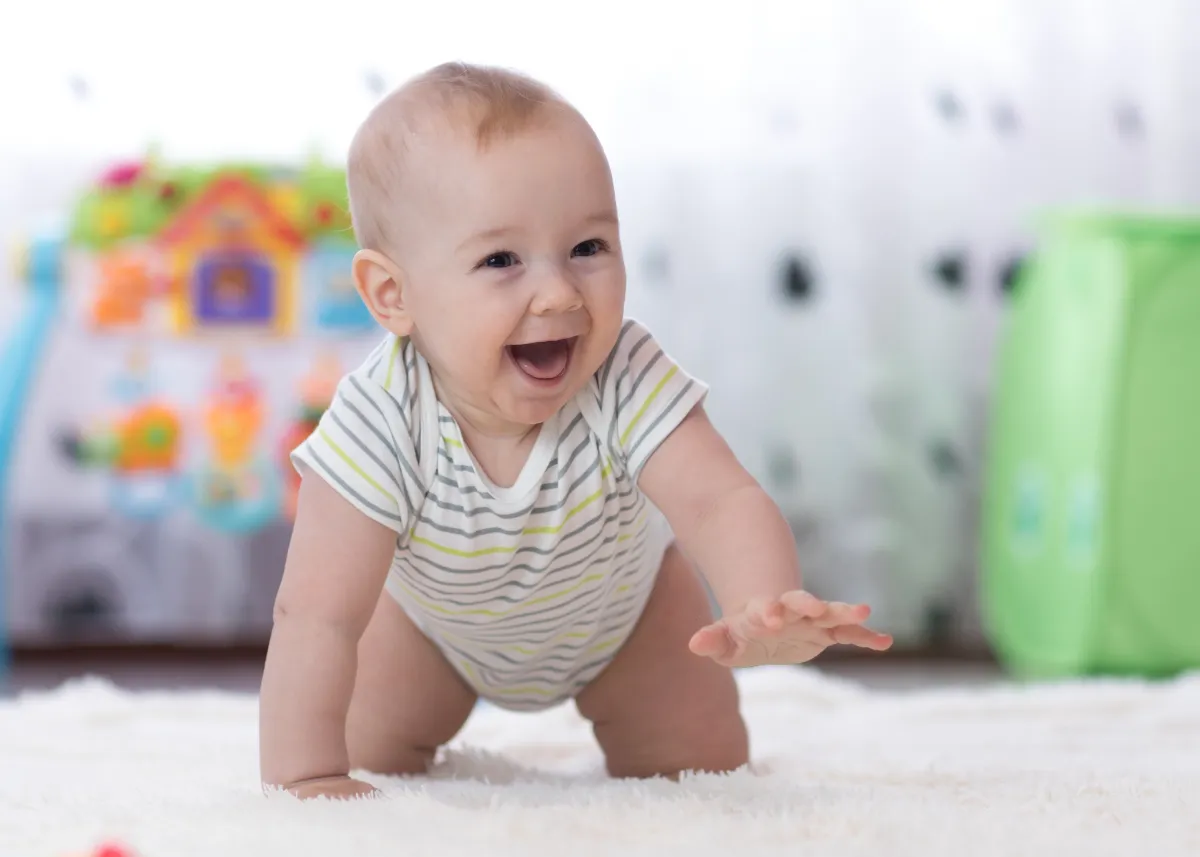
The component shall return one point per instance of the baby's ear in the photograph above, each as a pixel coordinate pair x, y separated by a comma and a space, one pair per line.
380, 283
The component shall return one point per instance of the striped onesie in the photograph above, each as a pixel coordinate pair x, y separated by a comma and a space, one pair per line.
530, 590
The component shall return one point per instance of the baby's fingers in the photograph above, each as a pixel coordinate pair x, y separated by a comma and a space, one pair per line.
771, 615
857, 635
803, 605
712, 641
843, 614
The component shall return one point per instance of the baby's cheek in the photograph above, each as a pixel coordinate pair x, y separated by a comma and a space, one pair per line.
606, 305
587, 362
485, 352
479, 355
477, 323
608, 314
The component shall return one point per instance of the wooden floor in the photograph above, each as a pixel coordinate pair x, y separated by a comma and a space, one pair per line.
240, 670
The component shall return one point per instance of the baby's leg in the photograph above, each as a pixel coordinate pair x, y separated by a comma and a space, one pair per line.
658, 709
407, 699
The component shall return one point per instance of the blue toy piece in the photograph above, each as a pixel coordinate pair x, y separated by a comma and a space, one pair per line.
337, 304
237, 512
19, 359
145, 498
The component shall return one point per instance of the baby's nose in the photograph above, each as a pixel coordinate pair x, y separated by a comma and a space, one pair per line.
556, 294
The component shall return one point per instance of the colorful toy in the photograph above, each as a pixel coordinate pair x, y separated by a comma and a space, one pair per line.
124, 289
138, 445
177, 319
338, 305
233, 260
222, 250
237, 492
234, 414
1091, 544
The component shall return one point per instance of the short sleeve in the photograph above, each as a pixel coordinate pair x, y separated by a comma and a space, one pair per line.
645, 395
363, 447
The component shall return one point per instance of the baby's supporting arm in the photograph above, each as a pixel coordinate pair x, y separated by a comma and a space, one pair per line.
336, 567
742, 544
724, 521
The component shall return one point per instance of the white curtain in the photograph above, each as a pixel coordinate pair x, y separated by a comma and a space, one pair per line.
821, 198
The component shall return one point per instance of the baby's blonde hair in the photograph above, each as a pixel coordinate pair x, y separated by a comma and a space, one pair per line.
488, 102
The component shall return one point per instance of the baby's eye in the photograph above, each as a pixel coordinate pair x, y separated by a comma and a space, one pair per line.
589, 248
503, 259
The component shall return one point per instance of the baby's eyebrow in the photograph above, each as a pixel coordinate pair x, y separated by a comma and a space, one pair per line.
607, 216
486, 235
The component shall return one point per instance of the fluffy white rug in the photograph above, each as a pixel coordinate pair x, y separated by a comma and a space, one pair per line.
1106, 768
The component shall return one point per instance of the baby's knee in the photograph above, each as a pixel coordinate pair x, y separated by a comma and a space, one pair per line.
720, 745
707, 742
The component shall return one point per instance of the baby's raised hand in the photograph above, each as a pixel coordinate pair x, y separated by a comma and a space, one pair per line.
791, 629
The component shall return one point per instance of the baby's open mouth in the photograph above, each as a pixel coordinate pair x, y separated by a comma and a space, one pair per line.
543, 361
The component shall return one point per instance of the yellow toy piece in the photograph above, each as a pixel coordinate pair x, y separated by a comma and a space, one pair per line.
113, 219
288, 201
234, 417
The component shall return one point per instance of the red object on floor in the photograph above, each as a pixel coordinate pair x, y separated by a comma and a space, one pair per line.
112, 850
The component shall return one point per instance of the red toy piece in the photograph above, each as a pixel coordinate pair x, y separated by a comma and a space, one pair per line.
112, 850
122, 175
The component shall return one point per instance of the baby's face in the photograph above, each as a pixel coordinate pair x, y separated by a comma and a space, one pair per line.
515, 283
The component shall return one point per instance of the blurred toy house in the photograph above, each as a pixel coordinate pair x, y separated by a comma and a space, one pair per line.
201, 318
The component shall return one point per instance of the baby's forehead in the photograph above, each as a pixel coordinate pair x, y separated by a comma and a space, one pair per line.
396, 152
425, 137
411, 141
427, 111
425, 149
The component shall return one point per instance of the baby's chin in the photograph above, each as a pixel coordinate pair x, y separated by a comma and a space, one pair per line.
529, 411
524, 407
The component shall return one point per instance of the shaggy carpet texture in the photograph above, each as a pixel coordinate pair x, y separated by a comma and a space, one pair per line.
1098, 768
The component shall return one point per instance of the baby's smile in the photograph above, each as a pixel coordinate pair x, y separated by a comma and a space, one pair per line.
544, 363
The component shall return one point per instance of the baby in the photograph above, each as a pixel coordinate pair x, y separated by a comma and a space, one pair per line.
510, 499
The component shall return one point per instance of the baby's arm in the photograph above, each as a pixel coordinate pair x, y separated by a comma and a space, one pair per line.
335, 571
723, 519
745, 549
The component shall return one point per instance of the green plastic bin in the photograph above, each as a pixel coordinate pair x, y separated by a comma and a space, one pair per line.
1091, 542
